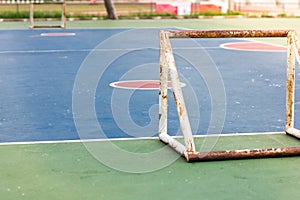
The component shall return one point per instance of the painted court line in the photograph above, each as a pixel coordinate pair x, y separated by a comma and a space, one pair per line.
238, 46
98, 50
140, 84
132, 139
57, 34
75, 141
46, 51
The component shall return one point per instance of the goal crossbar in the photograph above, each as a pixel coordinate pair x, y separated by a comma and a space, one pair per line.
168, 70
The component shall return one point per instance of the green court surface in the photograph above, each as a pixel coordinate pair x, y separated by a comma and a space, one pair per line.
200, 24
225, 23
67, 170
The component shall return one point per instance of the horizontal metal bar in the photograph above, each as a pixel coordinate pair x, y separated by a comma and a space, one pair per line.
179, 148
293, 132
47, 2
47, 26
227, 33
243, 154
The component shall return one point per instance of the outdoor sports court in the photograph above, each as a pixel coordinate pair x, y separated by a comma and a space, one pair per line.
72, 99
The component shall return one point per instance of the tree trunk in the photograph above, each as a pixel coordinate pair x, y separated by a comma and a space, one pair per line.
110, 9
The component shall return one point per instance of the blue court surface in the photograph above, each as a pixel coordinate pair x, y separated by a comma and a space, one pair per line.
63, 85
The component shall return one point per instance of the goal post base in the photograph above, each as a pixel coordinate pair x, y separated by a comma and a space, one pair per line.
194, 156
243, 154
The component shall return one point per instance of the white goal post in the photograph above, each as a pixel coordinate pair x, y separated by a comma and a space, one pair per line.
168, 69
37, 2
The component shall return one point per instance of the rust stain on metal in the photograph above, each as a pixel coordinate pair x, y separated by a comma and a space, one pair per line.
164, 96
178, 105
175, 98
244, 154
180, 110
191, 148
227, 33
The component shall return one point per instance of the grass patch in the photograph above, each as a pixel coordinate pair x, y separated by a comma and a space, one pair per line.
213, 13
25, 14
14, 15
147, 15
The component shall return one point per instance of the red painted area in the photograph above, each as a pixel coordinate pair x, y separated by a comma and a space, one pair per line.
57, 34
166, 8
139, 84
173, 8
253, 46
206, 7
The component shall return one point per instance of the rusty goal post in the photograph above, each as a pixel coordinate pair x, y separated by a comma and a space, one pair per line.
168, 70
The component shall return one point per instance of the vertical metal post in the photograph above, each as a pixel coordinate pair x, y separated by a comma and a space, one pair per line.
165, 48
31, 14
178, 96
290, 84
63, 15
294, 49
163, 87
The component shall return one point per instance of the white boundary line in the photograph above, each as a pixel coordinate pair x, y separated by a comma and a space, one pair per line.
76, 141
57, 34
132, 139
137, 49
89, 50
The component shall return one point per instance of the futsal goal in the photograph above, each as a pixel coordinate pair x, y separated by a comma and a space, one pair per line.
62, 5
168, 70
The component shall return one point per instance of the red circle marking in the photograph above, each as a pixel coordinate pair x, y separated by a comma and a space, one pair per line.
140, 84
57, 34
253, 46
